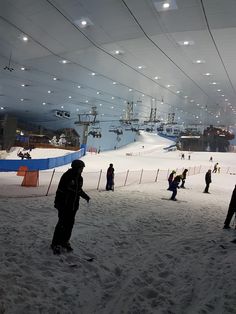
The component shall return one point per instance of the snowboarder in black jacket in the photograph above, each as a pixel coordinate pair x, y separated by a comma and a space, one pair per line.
231, 210
184, 174
174, 186
66, 202
208, 181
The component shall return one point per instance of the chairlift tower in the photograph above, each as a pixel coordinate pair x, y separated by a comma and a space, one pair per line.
129, 114
85, 120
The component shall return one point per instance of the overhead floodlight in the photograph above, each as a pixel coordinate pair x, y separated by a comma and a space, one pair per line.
186, 43
83, 22
165, 5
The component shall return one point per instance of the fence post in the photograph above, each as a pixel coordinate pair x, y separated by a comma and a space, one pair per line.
141, 176
157, 175
99, 179
126, 177
50, 182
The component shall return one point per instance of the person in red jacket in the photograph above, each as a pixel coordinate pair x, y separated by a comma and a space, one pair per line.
66, 202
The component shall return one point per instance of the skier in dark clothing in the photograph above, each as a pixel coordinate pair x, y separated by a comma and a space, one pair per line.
208, 181
171, 178
110, 178
184, 174
174, 186
231, 210
215, 167
66, 202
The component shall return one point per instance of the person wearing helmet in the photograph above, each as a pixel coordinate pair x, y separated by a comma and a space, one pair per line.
66, 202
171, 178
174, 186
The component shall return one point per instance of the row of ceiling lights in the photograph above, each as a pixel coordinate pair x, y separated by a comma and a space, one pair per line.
117, 52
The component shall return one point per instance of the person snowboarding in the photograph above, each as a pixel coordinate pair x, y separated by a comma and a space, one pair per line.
110, 178
231, 210
208, 181
174, 186
66, 202
171, 178
184, 174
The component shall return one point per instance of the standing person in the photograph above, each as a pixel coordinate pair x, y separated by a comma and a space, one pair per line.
215, 167
66, 202
171, 178
174, 186
184, 174
208, 181
231, 210
110, 178
211, 158
189, 157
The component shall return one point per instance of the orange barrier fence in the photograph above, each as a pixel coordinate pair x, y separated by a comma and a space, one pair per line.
21, 171
31, 178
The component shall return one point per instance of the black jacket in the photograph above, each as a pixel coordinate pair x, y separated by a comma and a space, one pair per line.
69, 191
232, 203
208, 177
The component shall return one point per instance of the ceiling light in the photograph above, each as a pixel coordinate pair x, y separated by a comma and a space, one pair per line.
199, 61
22, 68
114, 83
143, 95
100, 105
79, 86
218, 90
77, 109
226, 99
177, 92
93, 74
22, 85
130, 89
213, 83
62, 107
112, 97
49, 92
54, 79
191, 100
2, 108
186, 43
22, 99
185, 96
165, 5
25, 38
207, 74
223, 95
83, 22
44, 103
141, 67
98, 93
86, 101
69, 97
156, 77
117, 52
64, 61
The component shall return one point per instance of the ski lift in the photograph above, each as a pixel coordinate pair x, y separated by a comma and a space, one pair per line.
95, 132
117, 130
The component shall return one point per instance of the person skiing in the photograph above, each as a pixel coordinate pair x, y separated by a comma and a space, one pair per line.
171, 178
208, 181
215, 167
66, 202
110, 178
184, 174
174, 186
231, 210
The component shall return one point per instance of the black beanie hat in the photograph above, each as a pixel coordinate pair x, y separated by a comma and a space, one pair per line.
76, 164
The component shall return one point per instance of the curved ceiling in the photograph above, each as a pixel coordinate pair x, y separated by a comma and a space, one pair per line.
179, 59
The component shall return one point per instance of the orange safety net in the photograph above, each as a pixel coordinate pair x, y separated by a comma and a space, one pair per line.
21, 171
31, 178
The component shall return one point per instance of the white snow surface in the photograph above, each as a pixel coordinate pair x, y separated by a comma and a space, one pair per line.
151, 255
